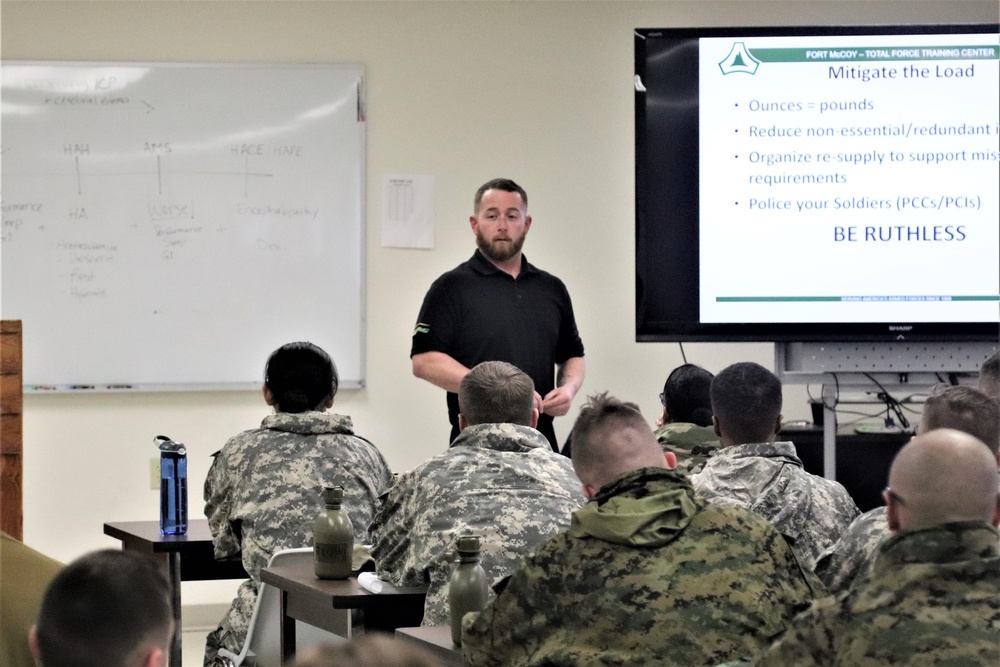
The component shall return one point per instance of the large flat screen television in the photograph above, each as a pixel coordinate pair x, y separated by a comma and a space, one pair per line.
818, 183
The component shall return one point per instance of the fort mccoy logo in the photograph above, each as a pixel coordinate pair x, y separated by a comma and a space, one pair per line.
739, 60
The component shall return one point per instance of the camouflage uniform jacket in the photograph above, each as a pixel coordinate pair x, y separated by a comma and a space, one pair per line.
646, 575
768, 478
502, 482
692, 444
851, 558
265, 489
933, 598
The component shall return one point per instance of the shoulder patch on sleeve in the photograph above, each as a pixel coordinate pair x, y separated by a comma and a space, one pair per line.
421, 328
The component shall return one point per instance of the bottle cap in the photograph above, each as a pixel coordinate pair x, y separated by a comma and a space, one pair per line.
467, 544
333, 494
165, 444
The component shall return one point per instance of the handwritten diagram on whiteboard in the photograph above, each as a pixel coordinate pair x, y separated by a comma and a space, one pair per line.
168, 226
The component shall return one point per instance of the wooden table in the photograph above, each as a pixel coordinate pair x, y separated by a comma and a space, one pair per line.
184, 557
436, 640
310, 600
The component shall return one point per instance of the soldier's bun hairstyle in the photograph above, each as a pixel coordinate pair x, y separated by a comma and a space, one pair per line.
686, 395
301, 377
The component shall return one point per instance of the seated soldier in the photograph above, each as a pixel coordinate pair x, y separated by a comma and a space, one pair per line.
685, 428
24, 575
961, 408
647, 574
499, 480
265, 487
105, 609
754, 471
932, 596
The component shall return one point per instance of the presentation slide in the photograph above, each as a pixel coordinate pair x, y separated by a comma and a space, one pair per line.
859, 177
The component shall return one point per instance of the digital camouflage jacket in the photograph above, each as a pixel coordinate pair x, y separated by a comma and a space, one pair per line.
933, 598
265, 489
692, 444
501, 482
768, 478
646, 575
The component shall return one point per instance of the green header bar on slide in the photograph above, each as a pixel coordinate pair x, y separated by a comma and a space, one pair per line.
877, 53
850, 299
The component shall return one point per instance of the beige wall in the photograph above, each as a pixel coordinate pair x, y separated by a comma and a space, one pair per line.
538, 91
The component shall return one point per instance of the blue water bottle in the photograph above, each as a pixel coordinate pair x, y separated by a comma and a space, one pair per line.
173, 486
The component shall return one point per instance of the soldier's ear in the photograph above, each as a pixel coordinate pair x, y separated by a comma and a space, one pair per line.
715, 427
33, 642
268, 396
996, 514
589, 492
671, 460
534, 418
891, 511
462, 423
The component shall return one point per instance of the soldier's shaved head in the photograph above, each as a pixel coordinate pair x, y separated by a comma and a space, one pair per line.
609, 439
942, 476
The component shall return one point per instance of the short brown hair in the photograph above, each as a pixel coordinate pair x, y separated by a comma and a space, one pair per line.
495, 392
504, 184
989, 377
964, 409
611, 437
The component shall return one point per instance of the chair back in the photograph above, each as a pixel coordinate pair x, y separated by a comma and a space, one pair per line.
262, 647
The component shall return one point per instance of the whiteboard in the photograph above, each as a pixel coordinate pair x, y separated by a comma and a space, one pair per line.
167, 226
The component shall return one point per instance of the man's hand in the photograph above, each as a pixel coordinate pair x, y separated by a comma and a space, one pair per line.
570, 378
558, 401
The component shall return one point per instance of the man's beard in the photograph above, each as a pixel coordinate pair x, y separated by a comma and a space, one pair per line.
499, 252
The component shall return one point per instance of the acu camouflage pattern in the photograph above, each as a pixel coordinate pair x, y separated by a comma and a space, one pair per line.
933, 598
768, 478
719, 588
851, 558
692, 444
265, 489
501, 482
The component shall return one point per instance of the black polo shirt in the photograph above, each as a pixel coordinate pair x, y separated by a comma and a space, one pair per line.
476, 313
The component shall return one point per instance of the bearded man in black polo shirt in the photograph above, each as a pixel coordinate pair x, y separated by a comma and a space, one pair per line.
499, 307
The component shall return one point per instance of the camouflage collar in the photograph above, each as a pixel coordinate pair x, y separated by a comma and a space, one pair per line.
502, 438
309, 423
648, 507
639, 481
947, 543
784, 451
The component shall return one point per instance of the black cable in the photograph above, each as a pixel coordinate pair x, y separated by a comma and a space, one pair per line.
836, 398
683, 356
890, 402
